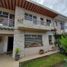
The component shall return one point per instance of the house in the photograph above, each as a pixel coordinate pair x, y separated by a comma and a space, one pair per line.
28, 26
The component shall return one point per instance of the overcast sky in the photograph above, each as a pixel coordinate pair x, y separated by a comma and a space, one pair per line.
58, 5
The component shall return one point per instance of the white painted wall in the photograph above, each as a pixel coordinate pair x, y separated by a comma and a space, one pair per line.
18, 42
45, 47
19, 14
19, 35
65, 28
3, 44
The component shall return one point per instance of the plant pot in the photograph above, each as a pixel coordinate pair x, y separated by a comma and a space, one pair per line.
17, 57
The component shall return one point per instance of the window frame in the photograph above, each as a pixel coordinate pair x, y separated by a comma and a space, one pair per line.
28, 16
35, 19
31, 40
48, 22
50, 39
42, 21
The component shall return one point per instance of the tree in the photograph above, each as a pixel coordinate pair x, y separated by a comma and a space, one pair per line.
63, 42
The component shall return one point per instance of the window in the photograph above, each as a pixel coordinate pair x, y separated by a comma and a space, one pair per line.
42, 21
56, 23
11, 16
62, 25
0, 13
5, 14
28, 16
48, 22
50, 39
11, 24
33, 41
34, 19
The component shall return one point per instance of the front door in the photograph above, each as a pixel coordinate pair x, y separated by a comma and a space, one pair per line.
10, 45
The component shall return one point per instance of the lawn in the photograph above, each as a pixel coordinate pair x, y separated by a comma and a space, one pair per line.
47, 61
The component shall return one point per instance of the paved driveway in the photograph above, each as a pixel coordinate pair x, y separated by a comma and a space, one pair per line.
7, 61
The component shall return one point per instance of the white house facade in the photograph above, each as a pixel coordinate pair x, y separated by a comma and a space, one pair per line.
28, 30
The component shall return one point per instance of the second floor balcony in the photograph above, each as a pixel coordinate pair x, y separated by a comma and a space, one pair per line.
6, 23
36, 24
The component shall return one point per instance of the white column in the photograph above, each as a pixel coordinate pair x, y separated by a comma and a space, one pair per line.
5, 44
18, 43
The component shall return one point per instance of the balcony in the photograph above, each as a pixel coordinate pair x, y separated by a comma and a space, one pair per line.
34, 25
6, 23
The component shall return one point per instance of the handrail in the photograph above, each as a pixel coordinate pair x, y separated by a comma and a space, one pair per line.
37, 22
6, 22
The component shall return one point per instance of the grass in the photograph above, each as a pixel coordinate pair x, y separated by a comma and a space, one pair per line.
44, 61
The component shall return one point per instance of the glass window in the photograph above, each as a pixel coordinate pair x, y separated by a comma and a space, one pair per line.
42, 21
33, 41
56, 23
50, 39
11, 16
5, 14
48, 22
62, 25
28, 16
34, 19
0, 12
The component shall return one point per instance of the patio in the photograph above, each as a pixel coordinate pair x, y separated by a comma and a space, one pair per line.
7, 61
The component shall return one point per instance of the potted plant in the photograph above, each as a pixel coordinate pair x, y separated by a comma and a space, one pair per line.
17, 55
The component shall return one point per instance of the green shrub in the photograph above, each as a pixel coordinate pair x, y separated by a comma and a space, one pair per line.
17, 50
63, 42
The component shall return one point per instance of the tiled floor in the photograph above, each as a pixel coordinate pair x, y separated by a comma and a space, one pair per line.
7, 61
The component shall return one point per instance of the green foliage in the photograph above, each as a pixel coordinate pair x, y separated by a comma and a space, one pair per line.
17, 50
48, 61
63, 42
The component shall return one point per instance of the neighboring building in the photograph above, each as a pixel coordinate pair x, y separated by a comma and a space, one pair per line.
29, 27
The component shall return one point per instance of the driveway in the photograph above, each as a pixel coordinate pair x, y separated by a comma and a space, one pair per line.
7, 61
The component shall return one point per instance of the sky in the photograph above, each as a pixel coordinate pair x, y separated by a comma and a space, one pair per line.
58, 5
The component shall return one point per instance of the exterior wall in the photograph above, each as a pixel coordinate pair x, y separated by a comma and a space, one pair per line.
7, 10
3, 44
19, 36
45, 47
18, 42
19, 14
58, 26
65, 27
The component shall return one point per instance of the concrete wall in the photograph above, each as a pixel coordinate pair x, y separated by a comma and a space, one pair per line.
19, 35
19, 14
45, 47
3, 44
19, 43
7, 10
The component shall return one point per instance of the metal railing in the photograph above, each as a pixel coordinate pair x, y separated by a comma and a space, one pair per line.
37, 22
6, 22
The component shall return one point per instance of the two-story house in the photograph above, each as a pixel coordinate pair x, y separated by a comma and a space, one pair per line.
29, 27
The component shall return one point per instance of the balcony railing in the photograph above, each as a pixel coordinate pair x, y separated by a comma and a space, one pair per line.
35, 22
6, 22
